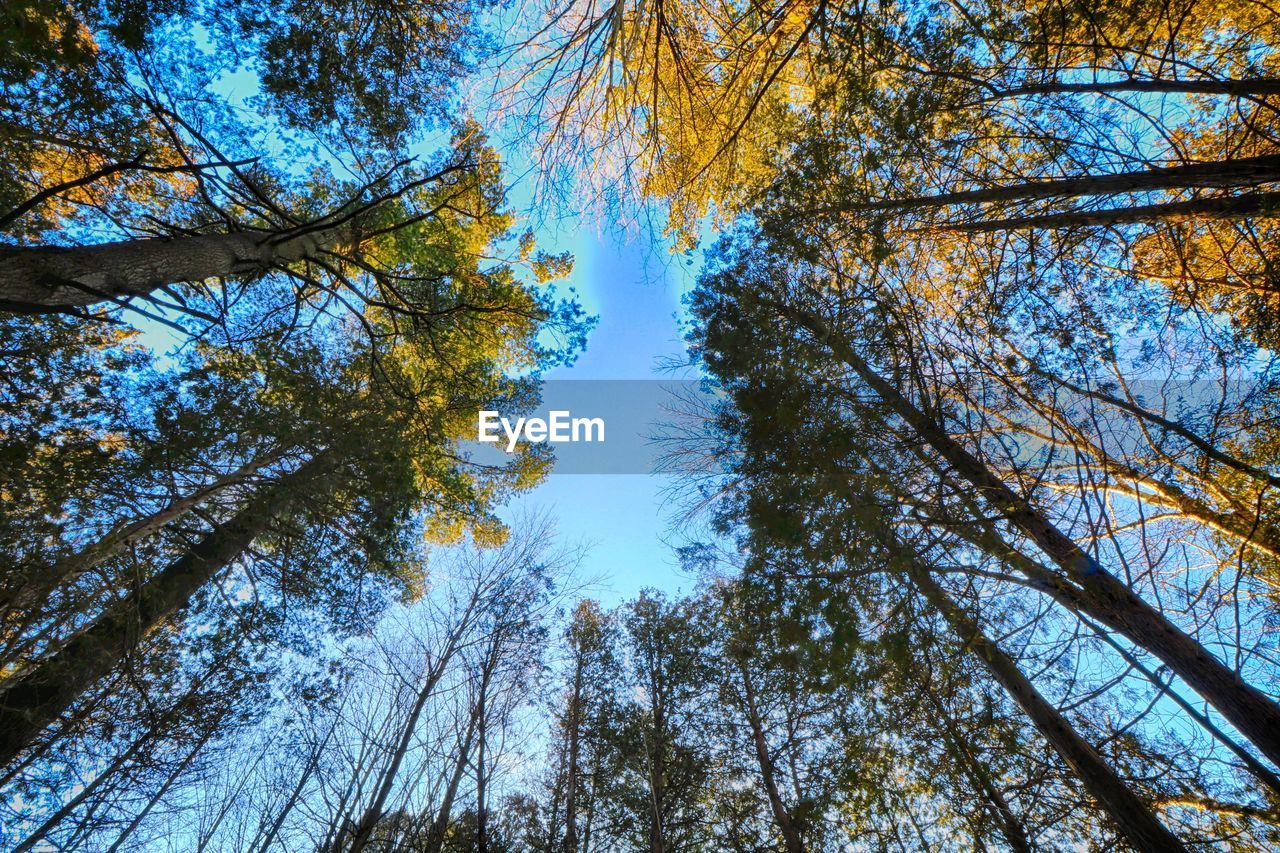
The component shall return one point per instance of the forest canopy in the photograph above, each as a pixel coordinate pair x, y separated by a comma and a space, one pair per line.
978, 520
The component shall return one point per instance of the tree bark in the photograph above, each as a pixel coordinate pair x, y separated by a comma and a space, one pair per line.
1215, 207
53, 278
1236, 172
45, 580
571, 781
1010, 827
1235, 87
1253, 713
1136, 821
781, 816
32, 704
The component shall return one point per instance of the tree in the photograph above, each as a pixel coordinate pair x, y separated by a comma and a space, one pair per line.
399, 448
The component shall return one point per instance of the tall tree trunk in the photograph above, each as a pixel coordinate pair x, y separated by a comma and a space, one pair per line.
571, 774
1213, 207
1010, 827
475, 727
440, 825
43, 581
657, 765
591, 805
59, 277
781, 816
369, 819
1236, 87
482, 781
1254, 714
159, 795
986, 539
32, 704
1236, 172
1136, 821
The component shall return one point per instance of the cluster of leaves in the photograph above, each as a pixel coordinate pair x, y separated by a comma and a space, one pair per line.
188, 537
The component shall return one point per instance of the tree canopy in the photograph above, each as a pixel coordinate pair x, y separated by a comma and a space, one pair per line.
979, 511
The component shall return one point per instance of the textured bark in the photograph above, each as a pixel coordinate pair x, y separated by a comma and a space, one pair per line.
36, 701
1238, 172
58, 277
1254, 714
1134, 818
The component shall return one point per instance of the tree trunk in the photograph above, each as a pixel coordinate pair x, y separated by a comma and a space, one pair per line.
1236, 172
1254, 714
1010, 826
45, 580
1214, 207
52, 278
657, 764
1237, 87
1043, 579
32, 704
571, 774
482, 781
440, 826
1136, 821
782, 817
369, 820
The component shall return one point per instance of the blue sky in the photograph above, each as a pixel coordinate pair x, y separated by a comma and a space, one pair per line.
634, 287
